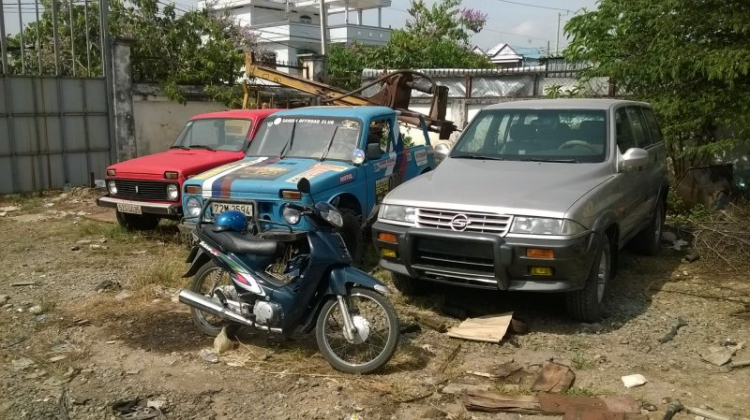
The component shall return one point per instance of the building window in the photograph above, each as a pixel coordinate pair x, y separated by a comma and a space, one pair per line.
381, 35
359, 33
305, 19
370, 35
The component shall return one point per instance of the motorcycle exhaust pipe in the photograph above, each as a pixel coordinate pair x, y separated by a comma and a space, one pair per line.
205, 304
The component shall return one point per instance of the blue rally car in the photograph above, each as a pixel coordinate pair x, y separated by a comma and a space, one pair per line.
353, 156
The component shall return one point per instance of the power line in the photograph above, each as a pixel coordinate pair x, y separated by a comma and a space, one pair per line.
538, 6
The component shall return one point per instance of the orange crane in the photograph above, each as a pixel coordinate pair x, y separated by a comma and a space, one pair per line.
395, 93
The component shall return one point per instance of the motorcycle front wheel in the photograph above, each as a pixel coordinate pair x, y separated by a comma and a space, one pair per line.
376, 338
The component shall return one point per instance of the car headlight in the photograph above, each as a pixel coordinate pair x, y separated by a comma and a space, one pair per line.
193, 207
112, 187
291, 215
545, 226
333, 217
400, 214
173, 192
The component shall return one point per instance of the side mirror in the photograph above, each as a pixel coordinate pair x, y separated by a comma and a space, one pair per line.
303, 185
373, 151
633, 159
441, 151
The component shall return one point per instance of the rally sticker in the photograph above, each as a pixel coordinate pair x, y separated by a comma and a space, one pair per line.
259, 172
315, 170
383, 164
421, 157
343, 179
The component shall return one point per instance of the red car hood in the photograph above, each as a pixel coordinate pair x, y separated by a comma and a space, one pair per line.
186, 162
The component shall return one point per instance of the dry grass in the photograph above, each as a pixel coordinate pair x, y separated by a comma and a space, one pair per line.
165, 272
722, 239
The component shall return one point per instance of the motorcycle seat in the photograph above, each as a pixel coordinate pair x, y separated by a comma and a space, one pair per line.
237, 243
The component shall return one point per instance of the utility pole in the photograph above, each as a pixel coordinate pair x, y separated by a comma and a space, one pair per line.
557, 39
323, 27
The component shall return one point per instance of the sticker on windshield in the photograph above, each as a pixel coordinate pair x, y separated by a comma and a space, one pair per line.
314, 121
277, 121
350, 124
316, 170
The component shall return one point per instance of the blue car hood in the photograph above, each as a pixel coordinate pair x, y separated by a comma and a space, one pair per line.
259, 176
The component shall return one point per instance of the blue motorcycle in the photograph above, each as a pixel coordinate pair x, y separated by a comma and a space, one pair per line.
290, 282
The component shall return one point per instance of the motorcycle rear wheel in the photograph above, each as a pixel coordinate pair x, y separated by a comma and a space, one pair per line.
205, 282
380, 334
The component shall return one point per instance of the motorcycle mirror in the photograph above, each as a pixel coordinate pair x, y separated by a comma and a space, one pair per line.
304, 186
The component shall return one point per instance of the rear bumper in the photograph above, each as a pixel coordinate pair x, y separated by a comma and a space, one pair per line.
162, 209
486, 261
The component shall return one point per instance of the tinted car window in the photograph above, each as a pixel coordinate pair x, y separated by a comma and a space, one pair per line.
653, 125
624, 131
640, 134
556, 135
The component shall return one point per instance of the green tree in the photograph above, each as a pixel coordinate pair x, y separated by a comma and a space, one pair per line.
435, 37
689, 58
197, 47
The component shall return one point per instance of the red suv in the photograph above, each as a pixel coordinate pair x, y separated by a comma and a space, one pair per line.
146, 189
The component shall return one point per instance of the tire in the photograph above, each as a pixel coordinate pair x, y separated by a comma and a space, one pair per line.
648, 241
406, 285
199, 317
587, 305
137, 221
351, 232
388, 350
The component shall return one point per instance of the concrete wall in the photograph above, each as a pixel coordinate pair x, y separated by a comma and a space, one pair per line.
158, 121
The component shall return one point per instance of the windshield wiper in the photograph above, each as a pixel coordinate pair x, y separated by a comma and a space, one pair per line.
177, 146
200, 146
479, 157
550, 160
330, 143
282, 153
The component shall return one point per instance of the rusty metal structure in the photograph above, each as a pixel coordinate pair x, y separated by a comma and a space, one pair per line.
395, 93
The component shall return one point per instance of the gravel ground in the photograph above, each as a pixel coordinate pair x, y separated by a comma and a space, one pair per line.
70, 351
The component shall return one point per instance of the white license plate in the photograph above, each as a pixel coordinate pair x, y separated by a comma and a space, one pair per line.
129, 208
246, 209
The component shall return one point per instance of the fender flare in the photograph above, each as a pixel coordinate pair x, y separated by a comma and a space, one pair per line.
604, 221
197, 258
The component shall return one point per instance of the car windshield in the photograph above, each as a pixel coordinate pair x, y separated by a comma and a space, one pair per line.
307, 137
214, 134
555, 135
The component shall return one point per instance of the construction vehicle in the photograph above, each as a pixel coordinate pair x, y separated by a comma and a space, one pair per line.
395, 93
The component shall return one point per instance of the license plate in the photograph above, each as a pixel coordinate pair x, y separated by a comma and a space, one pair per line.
245, 208
129, 208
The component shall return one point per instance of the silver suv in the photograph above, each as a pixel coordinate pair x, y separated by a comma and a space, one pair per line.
537, 196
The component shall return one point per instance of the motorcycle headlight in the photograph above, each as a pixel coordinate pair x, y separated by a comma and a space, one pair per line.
112, 187
173, 192
545, 226
291, 215
401, 214
192, 207
333, 217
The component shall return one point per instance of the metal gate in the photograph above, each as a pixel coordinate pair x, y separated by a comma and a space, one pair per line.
55, 101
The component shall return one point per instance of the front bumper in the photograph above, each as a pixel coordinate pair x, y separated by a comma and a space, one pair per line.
486, 261
162, 209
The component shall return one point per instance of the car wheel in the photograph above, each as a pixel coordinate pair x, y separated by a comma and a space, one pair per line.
351, 232
648, 241
406, 285
587, 304
137, 221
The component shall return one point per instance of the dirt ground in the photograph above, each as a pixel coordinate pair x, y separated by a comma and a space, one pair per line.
70, 351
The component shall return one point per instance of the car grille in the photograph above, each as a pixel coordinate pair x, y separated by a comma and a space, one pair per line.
477, 222
146, 190
456, 259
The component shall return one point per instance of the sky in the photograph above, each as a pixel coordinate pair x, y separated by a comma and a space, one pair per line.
527, 25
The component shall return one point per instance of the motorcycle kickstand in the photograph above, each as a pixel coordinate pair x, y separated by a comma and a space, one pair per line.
349, 328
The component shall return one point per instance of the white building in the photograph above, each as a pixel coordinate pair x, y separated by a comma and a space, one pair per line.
291, 28
502, 55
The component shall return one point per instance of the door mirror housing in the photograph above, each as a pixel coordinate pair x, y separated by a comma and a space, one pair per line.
441, 151
373, 151
303, 185
633, 159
